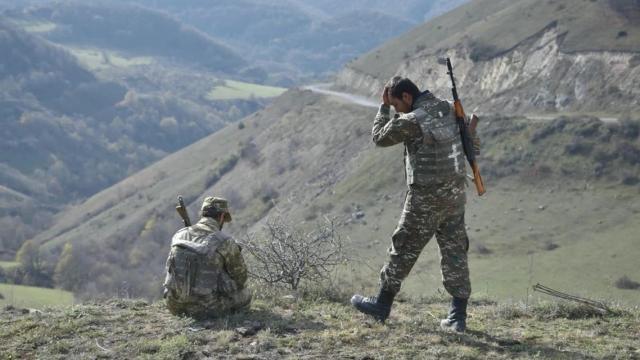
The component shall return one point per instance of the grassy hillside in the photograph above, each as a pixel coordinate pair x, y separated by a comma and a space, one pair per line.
6, 265
33, 297
556, 188
519, 56
320, 329
230, 89
493, 27
100, 59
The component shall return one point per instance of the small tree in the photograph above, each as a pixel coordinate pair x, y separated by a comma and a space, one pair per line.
32, 269
29, 257
286, 254
69, 274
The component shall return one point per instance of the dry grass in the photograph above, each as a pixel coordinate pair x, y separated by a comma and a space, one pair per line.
316, 329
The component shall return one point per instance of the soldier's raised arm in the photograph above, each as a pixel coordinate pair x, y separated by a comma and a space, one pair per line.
387, 131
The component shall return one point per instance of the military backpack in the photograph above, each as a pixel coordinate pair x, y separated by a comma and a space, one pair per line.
194, 269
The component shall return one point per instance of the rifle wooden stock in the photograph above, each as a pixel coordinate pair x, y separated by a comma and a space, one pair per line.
460, 117
473, 124
477, 179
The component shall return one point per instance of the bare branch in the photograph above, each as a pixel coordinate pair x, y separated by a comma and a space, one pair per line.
286, 254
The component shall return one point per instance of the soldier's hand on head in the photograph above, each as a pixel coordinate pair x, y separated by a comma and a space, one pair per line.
385, 96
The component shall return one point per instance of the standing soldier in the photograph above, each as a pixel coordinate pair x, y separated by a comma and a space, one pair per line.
435, 201
206, 273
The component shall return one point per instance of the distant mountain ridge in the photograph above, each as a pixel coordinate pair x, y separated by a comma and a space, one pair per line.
294, 40
301, 39
132, 29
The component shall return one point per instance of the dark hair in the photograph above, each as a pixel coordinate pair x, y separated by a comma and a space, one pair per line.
211, 212
398, 85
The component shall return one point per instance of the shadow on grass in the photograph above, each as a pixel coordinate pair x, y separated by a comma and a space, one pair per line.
487, 342
261, 319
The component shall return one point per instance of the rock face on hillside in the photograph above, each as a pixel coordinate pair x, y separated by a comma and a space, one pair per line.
534, 77
545, 71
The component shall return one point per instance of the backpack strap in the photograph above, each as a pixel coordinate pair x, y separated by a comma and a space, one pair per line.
200, 243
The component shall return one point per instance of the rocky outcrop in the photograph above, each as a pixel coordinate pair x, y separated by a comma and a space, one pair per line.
535, 76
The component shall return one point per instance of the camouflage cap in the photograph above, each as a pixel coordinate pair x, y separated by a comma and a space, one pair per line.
220, 204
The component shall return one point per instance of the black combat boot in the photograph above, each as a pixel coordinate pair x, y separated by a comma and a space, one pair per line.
377, 306
457, 319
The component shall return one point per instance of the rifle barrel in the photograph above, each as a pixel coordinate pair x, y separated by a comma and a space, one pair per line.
454, 89
464, 133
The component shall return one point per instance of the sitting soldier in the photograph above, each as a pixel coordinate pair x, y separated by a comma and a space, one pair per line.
206, 273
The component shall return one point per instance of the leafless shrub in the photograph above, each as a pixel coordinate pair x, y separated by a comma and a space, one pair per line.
266, 193
578, 147
251, 152
285, 254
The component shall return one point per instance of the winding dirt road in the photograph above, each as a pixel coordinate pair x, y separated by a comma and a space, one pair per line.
368, 102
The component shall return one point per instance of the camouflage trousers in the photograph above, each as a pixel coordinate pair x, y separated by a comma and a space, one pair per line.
430, 211
213, 306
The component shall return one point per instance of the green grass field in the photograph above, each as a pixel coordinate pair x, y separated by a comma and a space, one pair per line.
99, 59
241, 90
37, 27
581, 243
33, 297
8, 264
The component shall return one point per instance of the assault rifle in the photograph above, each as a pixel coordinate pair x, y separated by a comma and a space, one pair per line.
465, 135
182, 210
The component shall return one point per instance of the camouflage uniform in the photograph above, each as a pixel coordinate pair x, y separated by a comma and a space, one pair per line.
435, 201
206, 273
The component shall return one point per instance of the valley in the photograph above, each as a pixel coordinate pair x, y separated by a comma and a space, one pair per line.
560, 150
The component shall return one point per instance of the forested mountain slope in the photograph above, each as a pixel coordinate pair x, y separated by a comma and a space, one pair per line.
128, 28
77, 120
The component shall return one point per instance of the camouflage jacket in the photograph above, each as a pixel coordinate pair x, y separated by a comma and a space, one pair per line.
223, 257
433, 150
